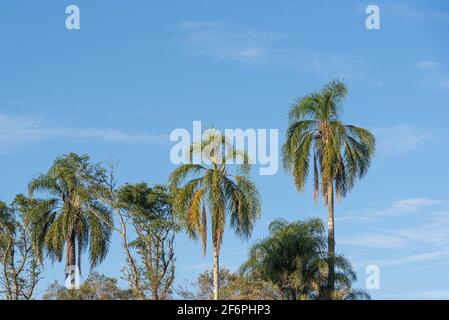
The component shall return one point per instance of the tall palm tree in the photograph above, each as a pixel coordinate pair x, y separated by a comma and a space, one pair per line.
70, 215
339, 154
213, 190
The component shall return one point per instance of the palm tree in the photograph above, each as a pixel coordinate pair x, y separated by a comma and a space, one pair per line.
215, 191
70, 216
339, 154
293, 257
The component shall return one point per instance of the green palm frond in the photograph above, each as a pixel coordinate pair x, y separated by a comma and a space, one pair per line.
182, 172
204, 195
70, 212
338, 153
294, 258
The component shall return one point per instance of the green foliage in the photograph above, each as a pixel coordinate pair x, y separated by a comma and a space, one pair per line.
150, 210
294, 258
317, 139
214, 190
233, 287
146, 203
19, 269
69, 216
96, 287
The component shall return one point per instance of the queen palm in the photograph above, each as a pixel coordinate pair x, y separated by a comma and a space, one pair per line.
339, 154
211, 194
294, 258
69, 216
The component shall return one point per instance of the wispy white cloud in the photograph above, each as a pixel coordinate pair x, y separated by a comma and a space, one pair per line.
412, 13
373, 240
427, 65
18, 129
414, 204
399, 207
324, 65
435, 232
225, 41
434, 74
402, 138
424, 232
421, 257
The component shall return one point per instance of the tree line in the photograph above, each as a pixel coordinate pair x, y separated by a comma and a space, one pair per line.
76, 206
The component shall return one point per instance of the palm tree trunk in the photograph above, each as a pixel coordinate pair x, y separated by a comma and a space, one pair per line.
70, 255
216, 274
331, 239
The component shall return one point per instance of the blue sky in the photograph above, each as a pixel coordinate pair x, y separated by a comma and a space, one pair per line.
135, 71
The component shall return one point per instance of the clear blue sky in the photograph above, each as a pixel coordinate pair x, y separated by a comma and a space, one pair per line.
136, 70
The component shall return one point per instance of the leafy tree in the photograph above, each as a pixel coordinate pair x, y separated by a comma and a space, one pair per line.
107, 191
153, 223
146, 226
96, 287
70, 218
338, 154
211, 194
20, 271
294, 258
233, 287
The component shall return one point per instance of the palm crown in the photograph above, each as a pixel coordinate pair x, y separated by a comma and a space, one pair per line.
316, 137
70, 215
